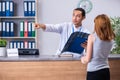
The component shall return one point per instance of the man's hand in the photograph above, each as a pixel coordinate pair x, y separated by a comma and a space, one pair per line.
37, 26
84, 45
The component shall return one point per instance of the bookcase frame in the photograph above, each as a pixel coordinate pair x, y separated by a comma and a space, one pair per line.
19, 16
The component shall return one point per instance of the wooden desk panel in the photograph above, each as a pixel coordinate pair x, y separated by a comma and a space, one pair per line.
115, 69
50, 70
43, 70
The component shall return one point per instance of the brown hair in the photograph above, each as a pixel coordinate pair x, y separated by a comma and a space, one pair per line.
82, 10
103, 28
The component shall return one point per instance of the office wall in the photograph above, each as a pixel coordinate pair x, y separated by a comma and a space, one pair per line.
59, 11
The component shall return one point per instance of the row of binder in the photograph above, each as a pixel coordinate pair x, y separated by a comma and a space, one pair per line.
6, 8
6, 29
27, 29
29, 8
22, 44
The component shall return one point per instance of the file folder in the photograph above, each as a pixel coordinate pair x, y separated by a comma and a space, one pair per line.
21, 44
21, 29
0, 8
7, 29
11, 29
29, 29
11, 8
18, 44
3, 8
33, 30
29, 44
7, 8
33, 8
3, 29
25, 8
11, 45
33, 44
74, 42
0, 29
14, 44
25, 29
29, 8
25, 44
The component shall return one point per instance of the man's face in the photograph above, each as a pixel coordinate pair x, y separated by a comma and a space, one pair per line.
77, 18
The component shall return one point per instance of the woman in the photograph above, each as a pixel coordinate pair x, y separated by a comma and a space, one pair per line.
98, 48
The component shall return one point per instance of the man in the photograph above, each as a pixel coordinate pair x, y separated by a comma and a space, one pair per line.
66, 29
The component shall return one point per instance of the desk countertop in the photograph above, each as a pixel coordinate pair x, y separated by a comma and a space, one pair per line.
37, 58
48, 58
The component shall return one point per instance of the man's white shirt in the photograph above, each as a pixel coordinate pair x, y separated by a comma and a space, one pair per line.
65, 30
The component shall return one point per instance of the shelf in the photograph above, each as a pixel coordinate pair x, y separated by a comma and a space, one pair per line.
18, 17
17, 37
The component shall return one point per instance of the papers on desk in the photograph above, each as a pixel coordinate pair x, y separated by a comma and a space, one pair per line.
12, 52
65, 55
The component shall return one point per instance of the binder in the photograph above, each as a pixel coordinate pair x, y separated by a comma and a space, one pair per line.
14, 44
25, 44
11, 45
33, 8
74, 42
0, 29
11, 29
29, 44
21, 44
3, 29
29, 29
11, 8
25, 29
18, 44
7, 8
3, 8
33, 44
29, 8
25, 8
21, 29
33, 30
7, 29
0, 8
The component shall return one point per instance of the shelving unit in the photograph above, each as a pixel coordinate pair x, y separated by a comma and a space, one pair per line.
18, 17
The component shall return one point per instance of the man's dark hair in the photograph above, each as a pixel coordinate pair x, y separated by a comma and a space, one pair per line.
82, 10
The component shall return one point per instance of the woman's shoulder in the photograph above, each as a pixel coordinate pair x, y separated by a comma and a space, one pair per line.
91, 37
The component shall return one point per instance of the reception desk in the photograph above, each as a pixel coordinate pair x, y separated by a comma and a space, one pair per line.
49, 68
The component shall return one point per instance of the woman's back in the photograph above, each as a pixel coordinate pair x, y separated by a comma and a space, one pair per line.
101, 50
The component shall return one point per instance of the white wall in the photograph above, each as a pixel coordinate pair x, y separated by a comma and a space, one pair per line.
59, 11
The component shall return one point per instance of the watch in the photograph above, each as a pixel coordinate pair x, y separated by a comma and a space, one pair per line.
86, 5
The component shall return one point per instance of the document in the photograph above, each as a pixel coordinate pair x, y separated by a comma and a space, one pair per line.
74, 42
